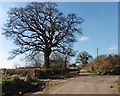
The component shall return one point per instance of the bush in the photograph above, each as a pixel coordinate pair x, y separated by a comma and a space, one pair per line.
21, 71
13, 86
105, 65
92, 69
51, 73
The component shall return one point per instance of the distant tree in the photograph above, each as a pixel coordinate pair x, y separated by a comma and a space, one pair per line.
57, 60
102, 56
35, 60
41, 27
83, 57
16, 65
72, 65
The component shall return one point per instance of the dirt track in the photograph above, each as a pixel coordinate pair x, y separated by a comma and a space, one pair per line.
85, 84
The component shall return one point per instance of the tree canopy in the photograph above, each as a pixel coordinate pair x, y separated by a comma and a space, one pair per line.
83, 57
41, 27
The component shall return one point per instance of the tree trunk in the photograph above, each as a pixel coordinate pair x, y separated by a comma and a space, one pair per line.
46, 58
65, 61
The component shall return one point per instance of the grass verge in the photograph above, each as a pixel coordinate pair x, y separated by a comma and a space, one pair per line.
13, 86
118, 84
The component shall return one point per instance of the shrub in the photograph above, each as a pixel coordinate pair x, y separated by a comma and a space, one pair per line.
92, 69
13, 86
51, 73
105, 65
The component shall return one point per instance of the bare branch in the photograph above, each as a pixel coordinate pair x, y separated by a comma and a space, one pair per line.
41, 27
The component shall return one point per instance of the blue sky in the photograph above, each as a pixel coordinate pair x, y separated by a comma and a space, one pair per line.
100, 29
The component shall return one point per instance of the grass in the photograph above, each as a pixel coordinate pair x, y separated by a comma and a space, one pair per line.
117, 87
0, 79
118, 83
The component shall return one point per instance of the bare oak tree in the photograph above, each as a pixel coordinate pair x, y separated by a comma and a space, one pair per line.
41, 27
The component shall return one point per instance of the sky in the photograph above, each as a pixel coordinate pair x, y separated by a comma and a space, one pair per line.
100, 29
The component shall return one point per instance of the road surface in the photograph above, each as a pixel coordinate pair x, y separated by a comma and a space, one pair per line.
86, 84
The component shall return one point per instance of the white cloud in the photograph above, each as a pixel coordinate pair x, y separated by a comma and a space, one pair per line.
83, 38
113, 49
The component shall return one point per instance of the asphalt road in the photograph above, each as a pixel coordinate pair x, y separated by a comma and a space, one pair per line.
85, 84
